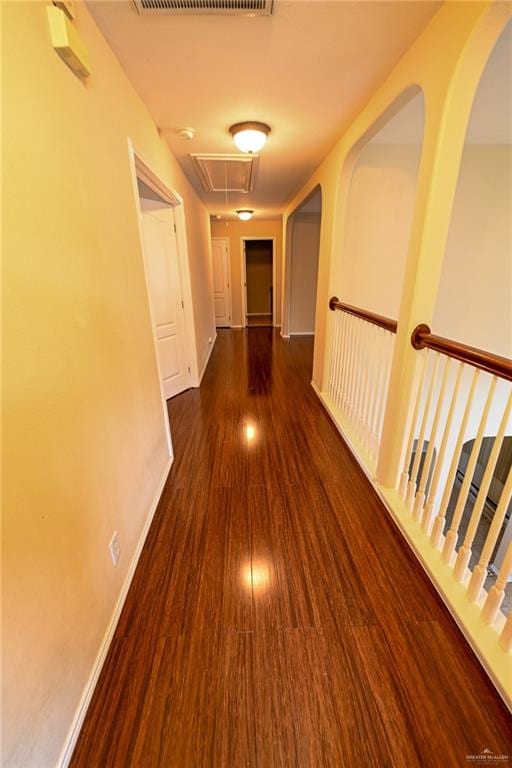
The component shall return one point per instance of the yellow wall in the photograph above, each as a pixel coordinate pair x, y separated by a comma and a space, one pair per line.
304, 272
382, 191
84, 443
234, 231
474, 301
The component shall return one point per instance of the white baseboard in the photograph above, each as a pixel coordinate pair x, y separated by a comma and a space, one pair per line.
85, 699
348, 438
207, 360
284, 335
481, 637
237, 327
302, 333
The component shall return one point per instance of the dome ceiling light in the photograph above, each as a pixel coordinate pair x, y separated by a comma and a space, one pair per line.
244, 214
250, 136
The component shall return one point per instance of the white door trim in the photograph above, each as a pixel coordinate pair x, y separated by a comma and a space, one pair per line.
226, 240
140, 169
243, 240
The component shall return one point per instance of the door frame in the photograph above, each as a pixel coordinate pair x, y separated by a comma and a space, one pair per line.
229, 279
243, 240
141, 170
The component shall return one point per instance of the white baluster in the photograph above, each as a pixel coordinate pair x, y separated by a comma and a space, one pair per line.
464, 554
345, 369
388, 345
332, 359
359, 376
411, 486
357, 367
375, 376
417, 399
370, 332
480, 571
360, 379
351, 365
429, 506
497, 591
379, 383
345, 331
451, 536
438, 527
367, 385
338, 357
419, 501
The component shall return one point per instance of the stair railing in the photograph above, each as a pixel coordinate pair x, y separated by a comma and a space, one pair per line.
360, 366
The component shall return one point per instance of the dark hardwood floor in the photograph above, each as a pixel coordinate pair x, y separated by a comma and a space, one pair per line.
276, 617
253, 320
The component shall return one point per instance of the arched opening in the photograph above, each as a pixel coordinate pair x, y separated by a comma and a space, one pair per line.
474, 307
377, 200
379, 210
474, 301
303, 249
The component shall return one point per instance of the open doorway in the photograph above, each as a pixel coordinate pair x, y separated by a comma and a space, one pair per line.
303, 252
258, 281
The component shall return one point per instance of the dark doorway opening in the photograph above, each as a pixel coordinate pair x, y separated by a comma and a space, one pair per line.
259, 283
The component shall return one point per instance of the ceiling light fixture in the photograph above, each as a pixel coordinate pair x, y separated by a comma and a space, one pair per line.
250, 136
245, 214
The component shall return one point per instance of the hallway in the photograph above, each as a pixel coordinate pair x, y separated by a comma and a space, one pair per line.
276, 617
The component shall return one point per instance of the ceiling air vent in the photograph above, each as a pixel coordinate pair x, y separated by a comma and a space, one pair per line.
226, 173
223, 7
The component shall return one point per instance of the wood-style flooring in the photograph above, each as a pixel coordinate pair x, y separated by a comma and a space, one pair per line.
277, 617
259, 320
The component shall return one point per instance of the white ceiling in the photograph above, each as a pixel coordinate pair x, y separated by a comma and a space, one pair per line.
307, 70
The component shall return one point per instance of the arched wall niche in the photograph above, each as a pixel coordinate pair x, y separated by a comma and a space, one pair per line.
474, 298
377, 194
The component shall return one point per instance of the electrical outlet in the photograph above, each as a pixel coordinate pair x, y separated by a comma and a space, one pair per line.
115, 548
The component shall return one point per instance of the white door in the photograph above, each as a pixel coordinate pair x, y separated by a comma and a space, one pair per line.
164, 285
221, 298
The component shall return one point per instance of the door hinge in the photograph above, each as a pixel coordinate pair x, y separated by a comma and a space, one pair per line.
188, 368
182, 304
174, 227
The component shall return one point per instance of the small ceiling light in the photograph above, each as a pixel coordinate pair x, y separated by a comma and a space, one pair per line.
218, 216
245, 215
250, 136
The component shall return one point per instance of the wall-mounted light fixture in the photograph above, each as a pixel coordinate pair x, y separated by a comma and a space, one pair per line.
250, 136
244, 214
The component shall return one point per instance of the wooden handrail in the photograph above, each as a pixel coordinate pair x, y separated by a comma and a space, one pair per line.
364, 314
422, 338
